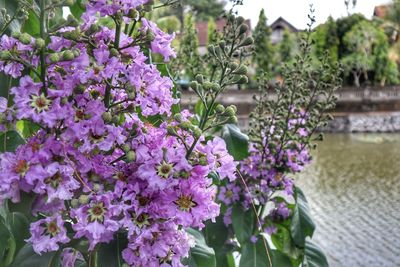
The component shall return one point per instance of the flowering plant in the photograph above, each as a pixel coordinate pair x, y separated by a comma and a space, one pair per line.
95, 161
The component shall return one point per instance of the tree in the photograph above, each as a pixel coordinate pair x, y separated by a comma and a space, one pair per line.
286, 47
326, 39
344, 25
263, 49
368, 52
204, 9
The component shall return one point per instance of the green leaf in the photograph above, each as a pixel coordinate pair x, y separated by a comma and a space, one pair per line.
237, 142
24, 206
110, 254
9, 141
216, 235
302, 224
201, 255
282, 240
255, 255
11, 8
32, 24
26, 128
313, 256
19, 226
77, 9
28, 258
243, 223
7, 244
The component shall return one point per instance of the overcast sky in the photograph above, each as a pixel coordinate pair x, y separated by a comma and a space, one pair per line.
295, 11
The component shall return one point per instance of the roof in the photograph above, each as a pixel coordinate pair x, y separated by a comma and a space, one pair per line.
282, 23
381, 11
202, 29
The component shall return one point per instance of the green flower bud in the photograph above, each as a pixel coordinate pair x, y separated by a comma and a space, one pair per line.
239, 20
129, 88
96, 187
171, 130
54, 58
40, 43
247, 41
107, 117
207, 85
79, 89
197, 132
94, 28
25, 38
211, 49
233, 120
132, 95
68, 55
243, 29
150, 36
76, 52
74, 203
148, 8
114, 52
234, 108
130, 156
16, 34
126, 148
178, 117
72, 21
69, 2
83, 199
115, 119
219, 109
243, 79
199, 78
133, 14
5, 55
194, 85
229, 111
222, 45
185, 125
215, 87
242, 70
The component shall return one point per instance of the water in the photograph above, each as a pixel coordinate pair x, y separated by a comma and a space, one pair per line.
353, 187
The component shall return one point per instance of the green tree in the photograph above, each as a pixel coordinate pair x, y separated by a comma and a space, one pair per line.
368, 52
204, 9
263, 49
326, 39
344, 25
287, 47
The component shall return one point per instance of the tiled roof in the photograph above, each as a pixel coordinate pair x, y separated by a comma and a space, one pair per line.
381, 11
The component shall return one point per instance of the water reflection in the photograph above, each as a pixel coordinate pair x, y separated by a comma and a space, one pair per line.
353, 187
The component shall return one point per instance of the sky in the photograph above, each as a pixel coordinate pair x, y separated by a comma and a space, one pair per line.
295, 11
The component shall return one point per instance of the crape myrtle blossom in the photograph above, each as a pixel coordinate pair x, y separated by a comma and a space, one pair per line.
97, 166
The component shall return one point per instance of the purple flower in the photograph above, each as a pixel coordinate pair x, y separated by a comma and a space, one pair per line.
47, 234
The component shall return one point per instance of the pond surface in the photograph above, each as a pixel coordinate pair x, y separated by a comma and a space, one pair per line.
353, 187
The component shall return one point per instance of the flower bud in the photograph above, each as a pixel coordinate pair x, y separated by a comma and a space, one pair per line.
74, 203
243, 79
79, 89
76, 52
16, 35
219, 109
246, 42
132, 95
207, 85
243, 29
130, 156
178, 117
233, 65
233, 120
83, 199
126, 148
40, 43
229, 111
233, 107
68, 55
215, 87
171, 130
69, 2
150, 36
242, 70
199, 78
5, 55
107, 117
222, 45
54, 58
72, 21
194, 85
114, 52
133, 14
211, 49
96, 187
115, 119
185, 125
197, 132
94, 28
239, 20
25, 38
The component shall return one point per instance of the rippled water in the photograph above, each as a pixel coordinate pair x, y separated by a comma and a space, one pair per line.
353, 187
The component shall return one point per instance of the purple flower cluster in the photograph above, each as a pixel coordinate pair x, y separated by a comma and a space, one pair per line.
97, 167
265, 174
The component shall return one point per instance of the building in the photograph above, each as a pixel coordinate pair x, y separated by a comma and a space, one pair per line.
278, 27
381, 11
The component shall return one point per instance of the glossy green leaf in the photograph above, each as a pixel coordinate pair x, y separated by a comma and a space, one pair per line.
201, 255
9, 141
26, 128
6, 240
282, 240
77, 9
256, 255
32, 24
216, 235
24, 206
19, 226
302, 224
110, 254
11, 8
237, 142
313, 256
243, 223
26, 257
